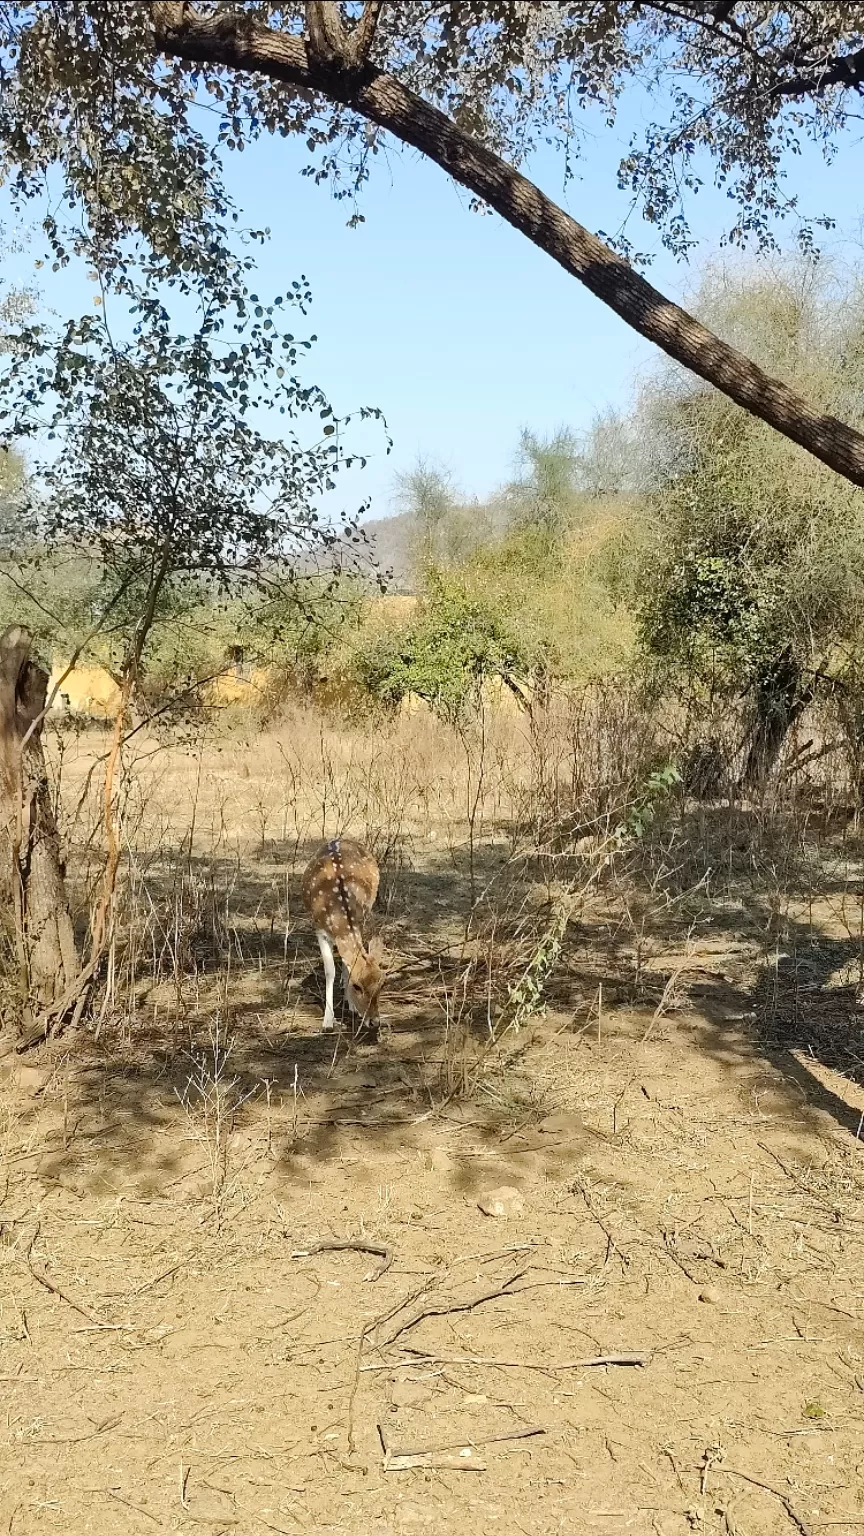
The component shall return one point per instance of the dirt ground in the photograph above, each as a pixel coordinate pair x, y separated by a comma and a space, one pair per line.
670, 1172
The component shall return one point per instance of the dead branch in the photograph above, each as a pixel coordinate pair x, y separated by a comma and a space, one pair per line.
441, 1457
368, 1329
518, 1365
446, 1309
797, 1520
445, 1462
812, 1194
459, 1445
55, 1289
138, 1508
576, 1187
355, 1245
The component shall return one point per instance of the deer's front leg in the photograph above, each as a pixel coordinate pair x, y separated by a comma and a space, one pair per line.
329, 962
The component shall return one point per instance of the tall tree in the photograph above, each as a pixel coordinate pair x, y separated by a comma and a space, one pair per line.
163, 482
36, 919
753, 583
112, 91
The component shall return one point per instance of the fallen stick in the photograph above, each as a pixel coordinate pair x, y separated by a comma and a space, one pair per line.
356, 1245
454, 1456
527, 1433
576, 1187
443, 1463
366, 1332
444, 1310
57, 1290
519, 1365
797, 1520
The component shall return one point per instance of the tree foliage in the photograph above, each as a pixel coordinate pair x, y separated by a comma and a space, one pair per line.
738, 84
757, 549
155, 486
113, 95
754, 583
454, 644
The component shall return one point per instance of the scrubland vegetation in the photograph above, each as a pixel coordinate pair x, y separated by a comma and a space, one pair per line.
573, 1241
606, 749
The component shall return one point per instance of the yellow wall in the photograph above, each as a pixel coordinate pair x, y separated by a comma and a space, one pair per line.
92, 692
86, 691
228, 688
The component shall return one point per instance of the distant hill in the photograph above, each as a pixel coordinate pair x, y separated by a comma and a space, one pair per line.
390, 540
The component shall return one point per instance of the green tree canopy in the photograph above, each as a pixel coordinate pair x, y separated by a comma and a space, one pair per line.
112, 94
154, 487
755, 581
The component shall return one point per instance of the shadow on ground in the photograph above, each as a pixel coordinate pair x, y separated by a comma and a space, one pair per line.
232, 1019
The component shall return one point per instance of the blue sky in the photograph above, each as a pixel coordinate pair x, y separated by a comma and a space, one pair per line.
455, 325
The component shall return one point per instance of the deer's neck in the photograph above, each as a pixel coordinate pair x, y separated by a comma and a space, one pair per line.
351, 951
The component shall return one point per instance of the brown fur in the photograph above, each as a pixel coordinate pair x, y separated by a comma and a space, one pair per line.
340, 885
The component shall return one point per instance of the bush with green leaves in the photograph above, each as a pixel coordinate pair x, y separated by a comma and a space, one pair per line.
452, 645
163, 497
754, 580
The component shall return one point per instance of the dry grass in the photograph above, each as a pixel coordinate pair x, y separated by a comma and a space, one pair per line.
654, 1042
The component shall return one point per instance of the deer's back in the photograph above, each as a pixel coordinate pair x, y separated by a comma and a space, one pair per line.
340, 883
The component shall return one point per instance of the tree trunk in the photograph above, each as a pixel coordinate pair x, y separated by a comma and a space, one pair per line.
328, 64
40, 924
780, 699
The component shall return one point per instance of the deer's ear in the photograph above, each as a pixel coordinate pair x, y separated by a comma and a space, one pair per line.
376, 950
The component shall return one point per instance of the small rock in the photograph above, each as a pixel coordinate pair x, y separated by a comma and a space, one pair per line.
710, 1294
503, 1201
555, 1125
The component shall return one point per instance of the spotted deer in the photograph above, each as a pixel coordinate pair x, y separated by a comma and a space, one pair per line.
339, 888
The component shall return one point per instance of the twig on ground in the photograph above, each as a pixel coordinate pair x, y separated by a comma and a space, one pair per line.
576, 1187
812, 1194
446, 1308
445, 1461
499, 1253
368, 1329
519, 1365
165, 1275
441, 1457
797, 1520
671, 1253
355, 1383
57, 1290
100, 1429
138, 1508
527, 1433
356, 1245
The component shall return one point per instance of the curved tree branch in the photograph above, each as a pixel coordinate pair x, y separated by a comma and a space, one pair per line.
817, 75
238, 40
846, 69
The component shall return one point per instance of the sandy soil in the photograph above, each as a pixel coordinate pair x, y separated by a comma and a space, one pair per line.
677, 1172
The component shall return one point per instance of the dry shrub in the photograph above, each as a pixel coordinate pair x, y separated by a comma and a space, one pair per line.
525, 858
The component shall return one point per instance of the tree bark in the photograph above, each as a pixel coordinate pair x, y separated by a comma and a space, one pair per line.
239, 40
780, 699
40, 924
